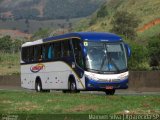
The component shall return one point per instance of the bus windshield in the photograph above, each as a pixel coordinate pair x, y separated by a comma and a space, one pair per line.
105, 57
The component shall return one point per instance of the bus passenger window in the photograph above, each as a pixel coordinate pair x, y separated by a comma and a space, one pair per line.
45, 52
57, 49
25, 54
78, 52
66, 48
50, 52
31, 54
38, 53
53, 54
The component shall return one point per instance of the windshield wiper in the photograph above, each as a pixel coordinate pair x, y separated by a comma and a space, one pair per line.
104, 59
109, 61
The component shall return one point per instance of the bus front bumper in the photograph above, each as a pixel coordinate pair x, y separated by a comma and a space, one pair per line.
96, 85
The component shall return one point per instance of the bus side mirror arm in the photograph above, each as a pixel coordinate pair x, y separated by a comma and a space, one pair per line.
84, 51
128, 50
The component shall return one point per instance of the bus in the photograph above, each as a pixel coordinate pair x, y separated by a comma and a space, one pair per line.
74, 62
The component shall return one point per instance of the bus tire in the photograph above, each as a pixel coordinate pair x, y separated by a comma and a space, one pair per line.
72, 86
110, 92
38, 86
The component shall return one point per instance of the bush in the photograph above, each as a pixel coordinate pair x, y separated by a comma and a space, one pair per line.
103, 12
7, 44
154, 51
139, 59
92, 21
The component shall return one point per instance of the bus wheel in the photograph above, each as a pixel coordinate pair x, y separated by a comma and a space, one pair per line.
72, 86
110, 92
38, 86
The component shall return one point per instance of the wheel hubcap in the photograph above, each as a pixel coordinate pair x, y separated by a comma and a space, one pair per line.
38, 87
73, 86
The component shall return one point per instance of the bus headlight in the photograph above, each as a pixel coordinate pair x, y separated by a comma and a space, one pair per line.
123, 77
91, 76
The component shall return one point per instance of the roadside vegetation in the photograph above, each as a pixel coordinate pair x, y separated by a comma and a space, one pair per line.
9, 63
20, 102
9, 55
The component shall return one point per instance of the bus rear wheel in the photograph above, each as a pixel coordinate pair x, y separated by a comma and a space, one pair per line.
38, 86
110, 92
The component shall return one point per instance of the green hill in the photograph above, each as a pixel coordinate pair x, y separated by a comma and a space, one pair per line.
47, 9
145, 10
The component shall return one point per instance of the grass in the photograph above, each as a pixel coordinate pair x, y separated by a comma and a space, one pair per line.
20, 102
9, 63
153, 31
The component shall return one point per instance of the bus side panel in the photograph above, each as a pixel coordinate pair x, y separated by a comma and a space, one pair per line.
27, 78
57, 75
53, 75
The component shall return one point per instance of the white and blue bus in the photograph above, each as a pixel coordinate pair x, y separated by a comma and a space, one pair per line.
88, 61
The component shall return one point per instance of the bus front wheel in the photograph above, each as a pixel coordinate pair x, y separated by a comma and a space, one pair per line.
110, 92
73, 87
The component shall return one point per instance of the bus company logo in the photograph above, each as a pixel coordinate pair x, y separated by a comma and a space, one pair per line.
37, 68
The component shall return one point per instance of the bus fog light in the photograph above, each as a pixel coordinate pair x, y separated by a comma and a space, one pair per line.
90, 85
127, 84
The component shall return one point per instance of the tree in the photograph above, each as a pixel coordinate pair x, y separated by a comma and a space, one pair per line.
124, 23
70, 28
16, 44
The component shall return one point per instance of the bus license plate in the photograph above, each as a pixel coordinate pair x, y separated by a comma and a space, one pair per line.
109, 87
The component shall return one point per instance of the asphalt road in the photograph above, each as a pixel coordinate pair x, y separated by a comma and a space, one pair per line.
118, 92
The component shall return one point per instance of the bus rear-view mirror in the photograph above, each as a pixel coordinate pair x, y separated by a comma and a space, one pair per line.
128, 50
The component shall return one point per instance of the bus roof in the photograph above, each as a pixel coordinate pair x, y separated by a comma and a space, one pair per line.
87, 36
90, 36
